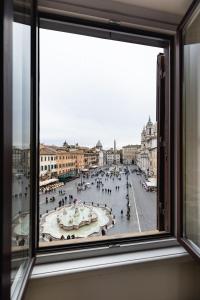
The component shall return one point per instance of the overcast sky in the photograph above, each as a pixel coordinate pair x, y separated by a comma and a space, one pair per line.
94, 89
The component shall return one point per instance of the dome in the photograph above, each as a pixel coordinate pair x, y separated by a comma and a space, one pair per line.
99, 144
65, 144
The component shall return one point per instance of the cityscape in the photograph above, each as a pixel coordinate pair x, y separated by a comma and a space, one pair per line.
90, 192
68, 161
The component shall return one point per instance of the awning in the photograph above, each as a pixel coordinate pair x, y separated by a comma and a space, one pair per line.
48, 181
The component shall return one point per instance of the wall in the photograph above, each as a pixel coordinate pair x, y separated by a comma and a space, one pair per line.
171, 279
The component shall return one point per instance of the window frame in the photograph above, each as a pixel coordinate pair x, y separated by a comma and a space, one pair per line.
124, 34
6, 10
192, 249
7, 13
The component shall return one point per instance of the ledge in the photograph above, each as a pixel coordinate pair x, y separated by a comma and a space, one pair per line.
110, 261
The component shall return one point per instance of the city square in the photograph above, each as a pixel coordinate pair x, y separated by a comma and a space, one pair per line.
133, 208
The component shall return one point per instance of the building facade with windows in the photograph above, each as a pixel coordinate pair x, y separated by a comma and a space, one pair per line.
48, 163
21, 161
129, 153
66, 162
101, 159
80, 162
91, 158
112, 157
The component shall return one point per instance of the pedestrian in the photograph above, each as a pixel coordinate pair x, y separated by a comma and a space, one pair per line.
103, 232
122, 212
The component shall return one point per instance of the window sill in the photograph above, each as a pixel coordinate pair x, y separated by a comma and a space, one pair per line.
109, 261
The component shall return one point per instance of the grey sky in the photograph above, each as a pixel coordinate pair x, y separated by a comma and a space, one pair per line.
93, 89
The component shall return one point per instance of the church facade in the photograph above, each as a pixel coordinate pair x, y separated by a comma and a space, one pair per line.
146, 158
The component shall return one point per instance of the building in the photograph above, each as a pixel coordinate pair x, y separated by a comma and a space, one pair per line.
129, 154
112, 157
66, 163
99, 149
91, 158
99, 145
146, 156
80, 159
48, 164
101, 159
21, 161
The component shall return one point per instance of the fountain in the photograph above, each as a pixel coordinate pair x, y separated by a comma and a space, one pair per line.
77, 220
76, 216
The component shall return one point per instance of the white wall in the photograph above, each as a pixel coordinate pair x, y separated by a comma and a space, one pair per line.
174, 279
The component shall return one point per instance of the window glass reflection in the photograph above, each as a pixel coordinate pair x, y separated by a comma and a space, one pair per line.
21, 152
191, 131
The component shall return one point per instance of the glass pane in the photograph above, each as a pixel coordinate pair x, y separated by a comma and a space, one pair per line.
98, 134
191, 130
21, 146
